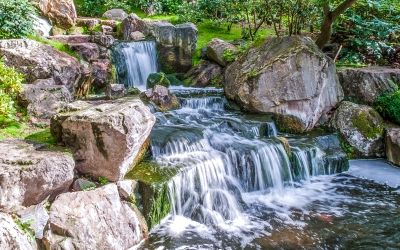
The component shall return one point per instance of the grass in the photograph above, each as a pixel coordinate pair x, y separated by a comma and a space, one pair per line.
56, 45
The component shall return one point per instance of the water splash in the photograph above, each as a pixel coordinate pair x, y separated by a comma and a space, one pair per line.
135, 61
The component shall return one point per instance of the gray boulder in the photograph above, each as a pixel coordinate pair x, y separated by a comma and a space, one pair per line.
137, 36
95, 219
217, 51
28, 176
107, 138
61, 12
115, 14
287, 76
361, 126
364, 85
39, 61
103, 40
44, 98
161, 97
393, 145
11, 237
204, 74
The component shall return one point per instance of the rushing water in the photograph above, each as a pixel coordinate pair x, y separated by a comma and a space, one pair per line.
242, 184
135, 61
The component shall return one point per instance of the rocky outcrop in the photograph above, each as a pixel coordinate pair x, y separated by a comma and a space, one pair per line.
219, 51
60, 12
176, 44
393, 145
115, 14
108, 138
287, 76
364, 85
28, 175
39, 61
204, 74
161, 97
361, 126
95, 219
44, 98
11, 237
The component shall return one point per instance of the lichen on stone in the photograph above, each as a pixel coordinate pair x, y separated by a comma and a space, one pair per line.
365, 124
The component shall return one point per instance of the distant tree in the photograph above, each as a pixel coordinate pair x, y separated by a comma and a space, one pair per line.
329, 17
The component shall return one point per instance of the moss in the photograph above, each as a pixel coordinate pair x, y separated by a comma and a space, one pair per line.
350, 151
44, 136
289, 124
150, 172
62, 47
160, 207
365, 124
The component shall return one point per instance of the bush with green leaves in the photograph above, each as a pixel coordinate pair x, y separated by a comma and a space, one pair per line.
10, 86
96, 8
16, 18
388, 105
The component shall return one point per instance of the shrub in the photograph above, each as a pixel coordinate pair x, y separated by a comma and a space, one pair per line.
10, 86
388, 105
16, 18
98, 7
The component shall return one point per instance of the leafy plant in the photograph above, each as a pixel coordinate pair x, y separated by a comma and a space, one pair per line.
388, 105
10, 86
16, 18
56, 45
26, 228
103, 180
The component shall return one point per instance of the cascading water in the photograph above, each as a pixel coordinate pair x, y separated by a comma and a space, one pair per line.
135, 61
236, 180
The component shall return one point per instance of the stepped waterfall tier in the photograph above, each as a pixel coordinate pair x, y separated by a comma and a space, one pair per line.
134, 62
235, 181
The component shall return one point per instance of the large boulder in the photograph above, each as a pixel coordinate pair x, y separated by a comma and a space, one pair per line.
44, 98
361, 126
88, 51
60, 12
287, 76
11, 236
218, 51
204, 74
108, 138
393, 145
28, 175
40, 61
132, 24
364, 85
161, 97
95, 219
115, 14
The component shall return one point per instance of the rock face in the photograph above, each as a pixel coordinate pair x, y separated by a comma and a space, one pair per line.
106, 138
218, 49
43, 98
393, 145
176, 44
364, 85
361, 126
115, 14
95, 219
88, 51
287, 76
60, 12
11, 237
204, 74
28, 176
102, 73
161, 97
39, 61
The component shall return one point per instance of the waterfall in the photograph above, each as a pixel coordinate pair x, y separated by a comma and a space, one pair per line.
135, 61
222, 155
41, 26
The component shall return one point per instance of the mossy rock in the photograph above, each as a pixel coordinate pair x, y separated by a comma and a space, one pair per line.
365, 122
289, 124
56, 31
174, 80
157, 79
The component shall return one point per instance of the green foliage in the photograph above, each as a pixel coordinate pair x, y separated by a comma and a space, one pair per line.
44, 137
230, 55
96, 8
103, 180
368, 31
157, 79
16, 18
388, 105
365, 125
87, 186
10, 86
56, 45
347, 148
26, 228
160, 206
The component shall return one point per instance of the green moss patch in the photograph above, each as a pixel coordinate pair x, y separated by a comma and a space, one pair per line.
365, 124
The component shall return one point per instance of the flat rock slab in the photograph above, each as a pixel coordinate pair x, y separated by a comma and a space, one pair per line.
28, 176
95, 219
379, 171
